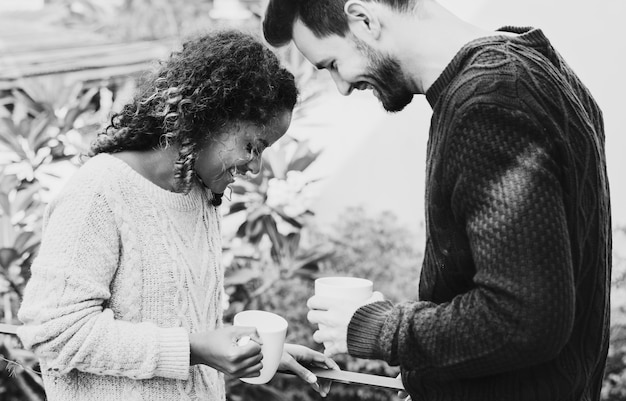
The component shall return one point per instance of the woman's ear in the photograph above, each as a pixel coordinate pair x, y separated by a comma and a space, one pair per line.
362, 19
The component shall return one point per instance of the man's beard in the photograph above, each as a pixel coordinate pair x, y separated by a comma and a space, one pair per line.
387, 77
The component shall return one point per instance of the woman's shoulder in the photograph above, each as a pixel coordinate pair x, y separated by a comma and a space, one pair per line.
94, 176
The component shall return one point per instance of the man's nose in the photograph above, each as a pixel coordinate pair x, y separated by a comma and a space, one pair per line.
343, 86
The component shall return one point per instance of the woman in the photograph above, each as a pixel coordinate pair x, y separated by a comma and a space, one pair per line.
125, 299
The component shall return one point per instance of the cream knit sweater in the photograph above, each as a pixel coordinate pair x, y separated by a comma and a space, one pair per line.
125, 272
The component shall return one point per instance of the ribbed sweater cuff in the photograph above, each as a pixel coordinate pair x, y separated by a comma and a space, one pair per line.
173, 353
364, 330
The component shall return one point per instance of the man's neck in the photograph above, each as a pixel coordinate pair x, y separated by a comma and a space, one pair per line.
427, 41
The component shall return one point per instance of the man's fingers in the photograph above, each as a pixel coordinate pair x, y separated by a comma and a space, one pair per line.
320, 303
317, 317
331, 350
377, 296
322, 336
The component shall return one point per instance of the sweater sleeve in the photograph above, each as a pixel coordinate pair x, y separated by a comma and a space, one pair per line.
64, 310
506, 196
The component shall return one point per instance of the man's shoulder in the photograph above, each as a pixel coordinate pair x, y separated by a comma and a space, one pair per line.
500, 73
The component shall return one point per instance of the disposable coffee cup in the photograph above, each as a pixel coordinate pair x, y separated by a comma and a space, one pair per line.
272, 329
349, 289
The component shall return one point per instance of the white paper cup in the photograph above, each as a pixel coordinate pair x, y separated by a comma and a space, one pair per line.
350, 289
272, 329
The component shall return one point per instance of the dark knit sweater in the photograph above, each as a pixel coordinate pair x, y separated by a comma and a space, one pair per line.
514, 289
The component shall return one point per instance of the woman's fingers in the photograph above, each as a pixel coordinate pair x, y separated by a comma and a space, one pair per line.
250, 371
310, 357
295, 356
245, 333
290, 363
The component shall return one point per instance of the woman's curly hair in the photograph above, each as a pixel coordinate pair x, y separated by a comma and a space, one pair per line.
222, 77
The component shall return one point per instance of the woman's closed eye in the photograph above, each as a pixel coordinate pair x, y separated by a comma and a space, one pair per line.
253, 150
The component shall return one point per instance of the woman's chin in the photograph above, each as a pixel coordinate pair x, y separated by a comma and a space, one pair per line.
218, 187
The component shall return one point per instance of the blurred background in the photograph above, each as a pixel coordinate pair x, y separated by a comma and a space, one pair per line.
341, 193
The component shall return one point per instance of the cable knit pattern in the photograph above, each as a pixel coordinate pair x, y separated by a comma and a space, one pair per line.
125, 272
514, 290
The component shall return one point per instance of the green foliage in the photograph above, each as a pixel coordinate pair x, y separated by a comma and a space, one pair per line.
385, 251
272, 257
43, 126
614, 386
268, 245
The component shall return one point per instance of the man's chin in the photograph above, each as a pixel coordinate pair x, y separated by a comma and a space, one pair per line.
397, 104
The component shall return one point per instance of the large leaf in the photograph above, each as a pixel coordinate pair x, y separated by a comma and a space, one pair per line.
29, 104
302, 157
241, 187
5, 204
236, 207
277, 240
7, 256
7, 181
291, 220
258, 213
241, 276
38, 130
81, 106
8, 136
276, 160
24, 240
254, 231
25, 197
7, 232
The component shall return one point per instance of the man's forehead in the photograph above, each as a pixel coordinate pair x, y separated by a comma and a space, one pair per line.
313, 48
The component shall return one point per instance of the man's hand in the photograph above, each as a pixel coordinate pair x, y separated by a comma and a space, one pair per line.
333, 318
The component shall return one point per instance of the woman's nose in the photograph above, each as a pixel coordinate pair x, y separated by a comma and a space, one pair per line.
254, 165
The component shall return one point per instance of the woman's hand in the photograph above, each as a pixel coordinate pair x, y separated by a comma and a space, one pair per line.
219, 349
295, 356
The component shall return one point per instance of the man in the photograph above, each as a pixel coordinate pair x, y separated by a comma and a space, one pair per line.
514, 289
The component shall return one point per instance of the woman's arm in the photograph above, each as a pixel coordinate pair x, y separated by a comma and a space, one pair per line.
64, 311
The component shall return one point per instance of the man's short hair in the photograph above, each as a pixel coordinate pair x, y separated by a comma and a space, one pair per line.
322, 17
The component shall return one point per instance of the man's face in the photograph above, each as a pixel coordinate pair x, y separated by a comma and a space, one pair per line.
355, 65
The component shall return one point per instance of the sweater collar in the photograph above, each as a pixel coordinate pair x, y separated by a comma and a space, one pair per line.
193, 200
526, 36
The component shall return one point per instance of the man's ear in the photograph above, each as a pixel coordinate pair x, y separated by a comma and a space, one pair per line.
362, 19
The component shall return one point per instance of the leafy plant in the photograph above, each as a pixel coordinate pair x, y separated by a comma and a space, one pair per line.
43, 126
270, 243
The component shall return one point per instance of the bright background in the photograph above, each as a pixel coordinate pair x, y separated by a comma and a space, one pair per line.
377, 159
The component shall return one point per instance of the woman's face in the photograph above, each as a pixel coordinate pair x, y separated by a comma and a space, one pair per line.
236, 150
